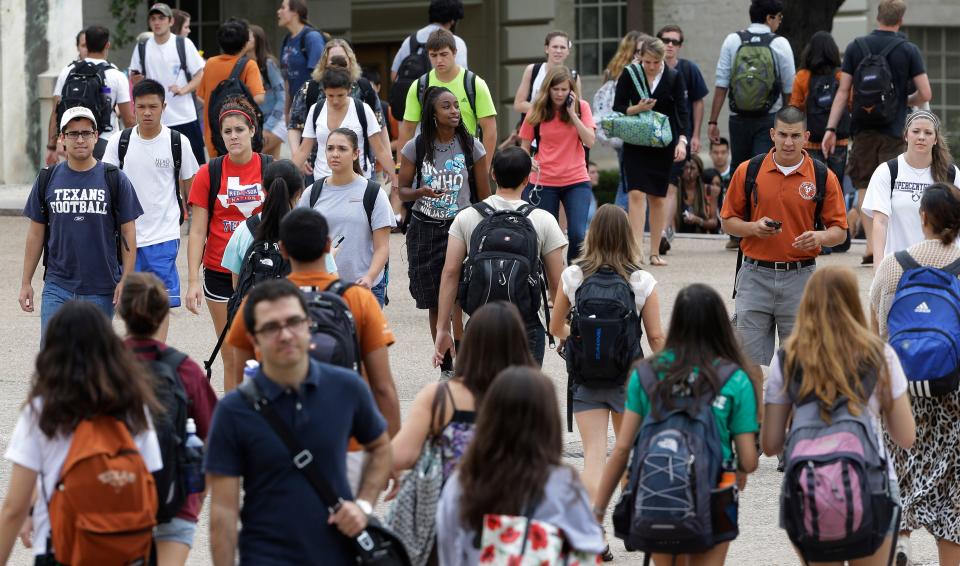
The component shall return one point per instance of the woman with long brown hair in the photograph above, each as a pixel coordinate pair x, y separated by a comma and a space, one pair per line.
697, 210
835, 349
274, 124
514, 467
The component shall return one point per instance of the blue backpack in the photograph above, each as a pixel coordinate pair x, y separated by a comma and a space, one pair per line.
677, 461
924, 326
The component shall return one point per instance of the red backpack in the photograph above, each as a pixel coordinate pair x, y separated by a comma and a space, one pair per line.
104, 506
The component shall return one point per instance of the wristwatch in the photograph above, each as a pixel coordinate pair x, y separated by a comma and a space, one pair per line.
364, 506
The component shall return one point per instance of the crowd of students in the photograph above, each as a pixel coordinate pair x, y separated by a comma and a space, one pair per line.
292, 259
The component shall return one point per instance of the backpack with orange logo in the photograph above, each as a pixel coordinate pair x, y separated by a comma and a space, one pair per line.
104, 506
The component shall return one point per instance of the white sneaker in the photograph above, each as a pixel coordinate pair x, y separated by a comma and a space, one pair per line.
902, 556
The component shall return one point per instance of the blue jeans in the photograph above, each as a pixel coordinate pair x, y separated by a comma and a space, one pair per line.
537, 340
380, 290
54, 297
749, 136
576, 202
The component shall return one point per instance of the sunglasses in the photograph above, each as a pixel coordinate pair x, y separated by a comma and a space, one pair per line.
671, 41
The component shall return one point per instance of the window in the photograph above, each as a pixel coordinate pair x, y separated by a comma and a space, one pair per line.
205, 18
940, 47
600, 26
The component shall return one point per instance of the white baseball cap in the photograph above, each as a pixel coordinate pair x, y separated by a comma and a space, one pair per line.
77, 112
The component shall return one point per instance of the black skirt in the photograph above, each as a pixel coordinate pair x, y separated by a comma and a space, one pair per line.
426, 252
647, 169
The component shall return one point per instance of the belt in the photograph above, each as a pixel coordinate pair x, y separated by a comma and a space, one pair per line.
781, 265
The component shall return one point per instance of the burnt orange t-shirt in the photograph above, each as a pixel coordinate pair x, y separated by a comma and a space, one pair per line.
787, 198
216, 70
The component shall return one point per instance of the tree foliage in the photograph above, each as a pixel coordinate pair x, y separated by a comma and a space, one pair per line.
803, 18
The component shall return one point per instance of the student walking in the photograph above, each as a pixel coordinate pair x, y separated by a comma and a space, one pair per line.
284, 519
925, 472
558, 131
815, 370
274, 101
160, 164
89, 388
82, 215
896, 187
145, 310
519, 405
225, 192
784, 205
696, 206
173, 61
556, 47
610, 260
651, 85
357, 210
879, 111
301, 48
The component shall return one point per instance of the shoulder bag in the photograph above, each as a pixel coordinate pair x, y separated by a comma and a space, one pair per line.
648, 129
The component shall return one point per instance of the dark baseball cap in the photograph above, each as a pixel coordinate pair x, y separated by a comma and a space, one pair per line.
161, 8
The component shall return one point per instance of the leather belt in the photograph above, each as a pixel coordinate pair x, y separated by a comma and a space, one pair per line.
781, 265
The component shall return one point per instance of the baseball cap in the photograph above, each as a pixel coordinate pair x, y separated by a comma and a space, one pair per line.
162, 8
74, 113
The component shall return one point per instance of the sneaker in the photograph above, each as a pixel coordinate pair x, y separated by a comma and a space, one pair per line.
733, 243
902, 556
866, 260
780, 464
446, 375
664, 246
669, 233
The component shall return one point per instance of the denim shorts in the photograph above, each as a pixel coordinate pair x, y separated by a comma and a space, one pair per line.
176, 530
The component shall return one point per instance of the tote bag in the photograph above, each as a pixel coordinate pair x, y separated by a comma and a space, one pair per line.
648, 129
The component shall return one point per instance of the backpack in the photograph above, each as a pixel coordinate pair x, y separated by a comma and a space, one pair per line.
750, 197
504, 263
333, 330
370, 195
361, 117
104, 506
821, 91
86, 85
171, 427
835, 501
181, 53
413, 66
176, 149
875, 102
420, 148
924, 326
755, 77
676, 464
894, 166
215, 171
603, 105
233, 87
303, 42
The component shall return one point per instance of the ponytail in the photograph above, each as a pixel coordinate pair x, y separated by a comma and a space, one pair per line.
283, 184
940, 205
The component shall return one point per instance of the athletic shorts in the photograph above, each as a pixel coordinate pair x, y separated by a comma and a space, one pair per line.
217, 285
161, 260
176, 530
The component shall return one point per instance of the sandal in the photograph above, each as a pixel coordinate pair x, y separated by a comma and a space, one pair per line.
606, 555
657, 261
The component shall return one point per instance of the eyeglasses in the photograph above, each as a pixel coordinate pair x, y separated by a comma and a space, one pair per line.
85, 134
272, 330
671, 41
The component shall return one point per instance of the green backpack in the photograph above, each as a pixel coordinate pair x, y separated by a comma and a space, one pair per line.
754, 78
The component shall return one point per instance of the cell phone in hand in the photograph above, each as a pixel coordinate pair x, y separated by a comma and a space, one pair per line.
775, 224
338, 241
569, 100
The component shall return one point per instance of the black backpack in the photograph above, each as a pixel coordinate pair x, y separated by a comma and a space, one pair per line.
85, 86
171, 427
504, 263
875, 101
176, 149
821, 91
413, 66
604, 334
333, 331
181, 53
232, 87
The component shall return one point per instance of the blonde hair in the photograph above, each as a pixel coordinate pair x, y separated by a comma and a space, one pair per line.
655, 47
352, 66
833, 345
609, 242
890, 12
543, 109
624, 54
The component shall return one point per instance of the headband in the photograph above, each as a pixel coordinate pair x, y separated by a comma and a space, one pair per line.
925, 114
237, 111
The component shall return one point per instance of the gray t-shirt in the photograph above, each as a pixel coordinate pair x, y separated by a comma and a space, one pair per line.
342, 206
448, 172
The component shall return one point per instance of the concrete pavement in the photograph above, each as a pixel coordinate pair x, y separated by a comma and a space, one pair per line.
692, 260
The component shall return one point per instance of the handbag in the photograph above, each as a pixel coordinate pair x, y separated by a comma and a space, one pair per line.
413, 516
648, 129
375, 545
510, 540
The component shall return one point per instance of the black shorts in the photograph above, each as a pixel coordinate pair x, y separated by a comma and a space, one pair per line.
426, 253
217, 285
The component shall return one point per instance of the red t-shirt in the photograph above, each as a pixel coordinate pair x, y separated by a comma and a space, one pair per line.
201, 402
560, 151
241, 195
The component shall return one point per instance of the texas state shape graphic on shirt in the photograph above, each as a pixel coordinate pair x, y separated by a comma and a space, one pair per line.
246, 198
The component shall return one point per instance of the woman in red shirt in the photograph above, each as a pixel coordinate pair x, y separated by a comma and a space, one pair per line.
557, 131
239, 195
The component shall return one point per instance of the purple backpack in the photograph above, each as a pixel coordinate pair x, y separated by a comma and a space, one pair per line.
835, 502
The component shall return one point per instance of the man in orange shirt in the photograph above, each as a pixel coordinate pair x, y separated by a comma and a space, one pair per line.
789, 216
232, 36
304, 241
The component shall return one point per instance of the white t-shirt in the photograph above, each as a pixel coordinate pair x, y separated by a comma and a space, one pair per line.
163, 66
422, 35
774, 393
316, 127
149, 166
119, 93
641, 282
903, 208
33, 450
787, 169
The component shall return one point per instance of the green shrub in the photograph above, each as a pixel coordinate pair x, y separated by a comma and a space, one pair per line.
606, 190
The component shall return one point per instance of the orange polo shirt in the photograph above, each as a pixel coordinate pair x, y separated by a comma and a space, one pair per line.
787, 198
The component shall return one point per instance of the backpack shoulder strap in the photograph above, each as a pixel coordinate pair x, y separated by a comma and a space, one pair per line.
362, 118
470, 87
897, 42
182, 54
123, 145
238, 67
864, 47
894, 166
313, 93
422, 83
952, 174
420, 153
315, 191
952, 268
338, 287
648, 378
111, 174
750, 184
484, 209
526, 209
906, 260
820, 178
414, 44
215, 169
533, 79
536, 136
252, 223
303, 41
171, 357
142, 52
370, 195
265, 160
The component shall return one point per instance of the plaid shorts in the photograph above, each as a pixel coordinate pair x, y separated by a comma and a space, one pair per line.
426, 252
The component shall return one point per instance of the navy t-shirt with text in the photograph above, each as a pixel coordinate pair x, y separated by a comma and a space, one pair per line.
82, 249
296, 69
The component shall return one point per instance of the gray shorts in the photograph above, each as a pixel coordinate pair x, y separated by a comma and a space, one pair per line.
176, 530
590, 398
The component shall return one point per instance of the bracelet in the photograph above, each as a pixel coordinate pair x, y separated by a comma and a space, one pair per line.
712, 123
397, 169
828, 129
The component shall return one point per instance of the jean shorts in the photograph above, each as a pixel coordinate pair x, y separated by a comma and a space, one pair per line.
176, 530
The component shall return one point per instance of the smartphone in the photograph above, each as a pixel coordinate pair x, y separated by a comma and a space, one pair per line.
775, 224
569, 100
338, 241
